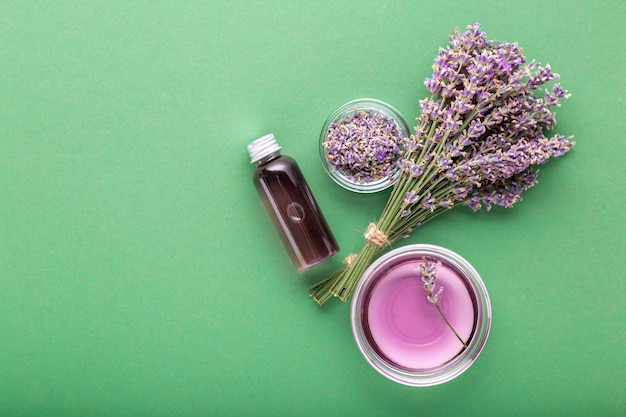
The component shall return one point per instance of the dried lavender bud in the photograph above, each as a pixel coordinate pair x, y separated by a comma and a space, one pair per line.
364, 146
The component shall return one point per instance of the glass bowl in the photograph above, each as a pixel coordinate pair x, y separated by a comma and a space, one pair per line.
402, 335
398, 129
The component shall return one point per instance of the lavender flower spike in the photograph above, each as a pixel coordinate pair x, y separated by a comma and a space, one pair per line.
428, 271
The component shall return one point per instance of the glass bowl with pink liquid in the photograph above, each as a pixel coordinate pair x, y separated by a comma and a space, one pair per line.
403, 335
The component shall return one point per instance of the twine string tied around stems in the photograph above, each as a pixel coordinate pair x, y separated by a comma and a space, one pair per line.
349, 259
375, 235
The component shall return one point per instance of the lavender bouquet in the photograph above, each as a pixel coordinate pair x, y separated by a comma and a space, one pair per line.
479, 138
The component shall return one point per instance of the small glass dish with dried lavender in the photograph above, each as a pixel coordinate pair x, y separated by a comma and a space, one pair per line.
360, 144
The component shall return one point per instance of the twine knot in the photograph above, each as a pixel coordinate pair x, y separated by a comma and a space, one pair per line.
375, 235
349, 259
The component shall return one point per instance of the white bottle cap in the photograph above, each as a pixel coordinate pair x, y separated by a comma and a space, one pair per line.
263, 147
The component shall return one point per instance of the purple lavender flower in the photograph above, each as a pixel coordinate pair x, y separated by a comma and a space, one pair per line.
463, 141
474, 202
454, 150
503, 193
559, 91
410, 168
551, 100
447, 202
476, 129
540, 75
459, 192
460, 107
444, 162
409, 146
451, 125
411, 197
428, 203
560, 145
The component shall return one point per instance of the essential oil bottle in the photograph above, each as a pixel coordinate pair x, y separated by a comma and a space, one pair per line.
291, 205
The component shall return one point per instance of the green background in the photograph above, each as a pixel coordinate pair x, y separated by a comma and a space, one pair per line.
140, 275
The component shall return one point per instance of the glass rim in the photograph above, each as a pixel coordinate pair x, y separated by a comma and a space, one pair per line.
341, 112
456, 365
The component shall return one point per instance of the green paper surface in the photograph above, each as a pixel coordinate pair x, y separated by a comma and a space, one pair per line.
141, 276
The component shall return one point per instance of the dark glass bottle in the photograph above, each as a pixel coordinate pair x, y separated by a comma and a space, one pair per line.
291, 205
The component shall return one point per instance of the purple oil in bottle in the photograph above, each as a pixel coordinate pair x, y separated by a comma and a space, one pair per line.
405, 328
291, 205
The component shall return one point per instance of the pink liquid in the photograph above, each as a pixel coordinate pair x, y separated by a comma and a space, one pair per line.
404, 327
